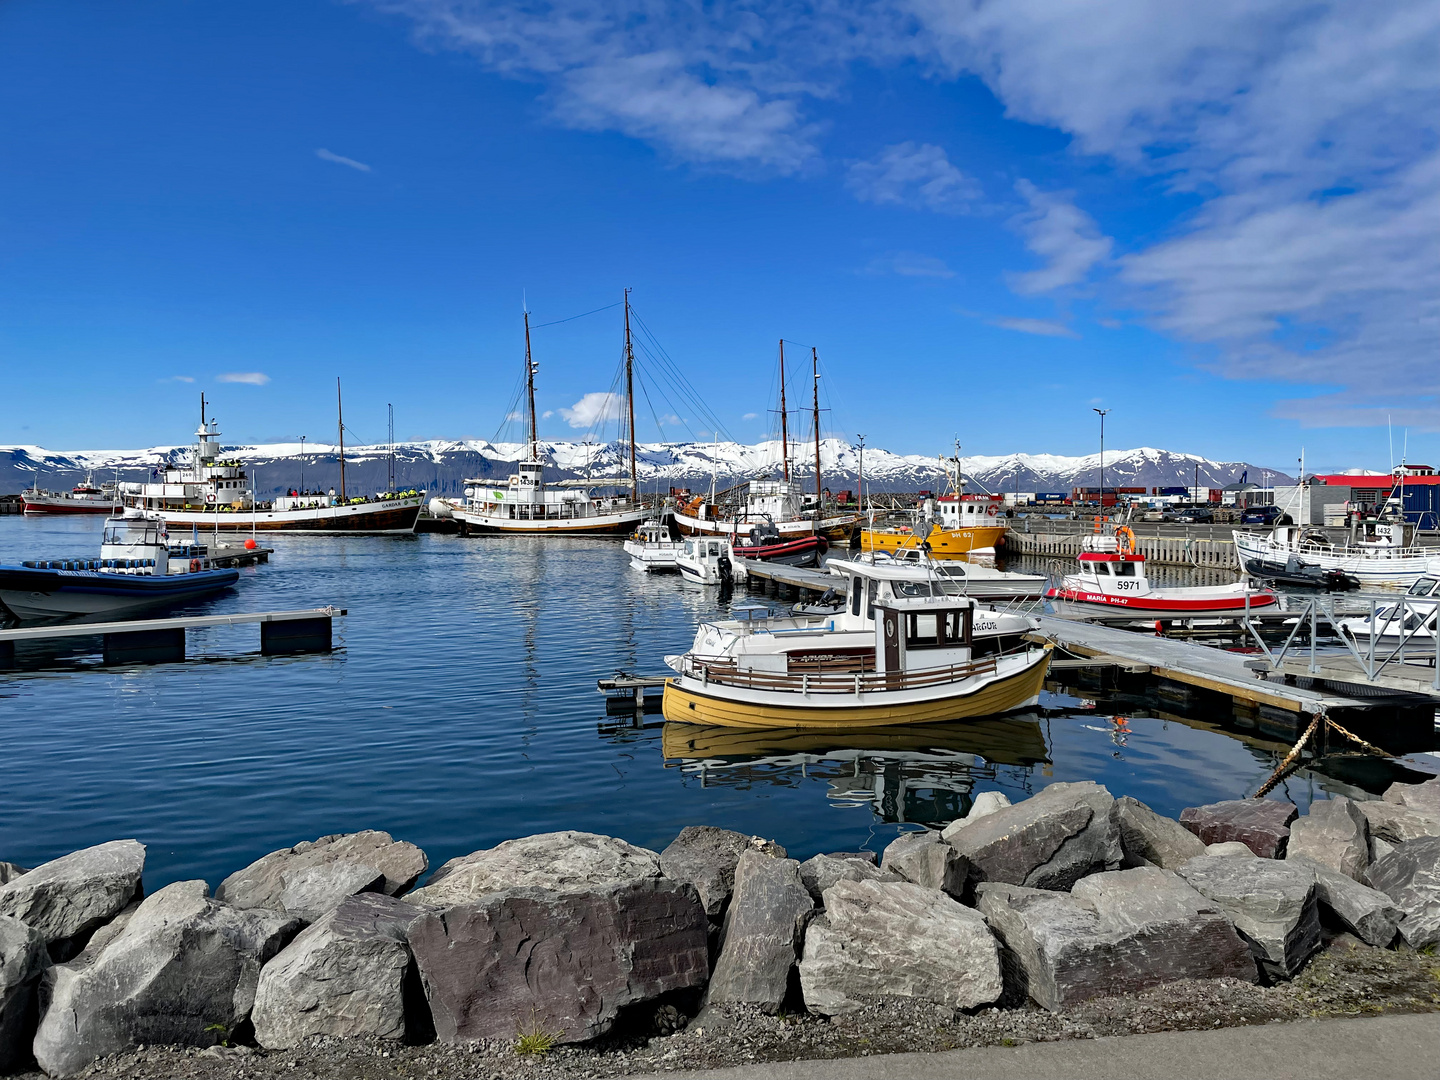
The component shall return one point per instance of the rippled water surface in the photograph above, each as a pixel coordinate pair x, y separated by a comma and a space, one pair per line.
459, 709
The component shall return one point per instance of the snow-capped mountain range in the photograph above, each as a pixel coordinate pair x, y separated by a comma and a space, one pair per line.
442, 467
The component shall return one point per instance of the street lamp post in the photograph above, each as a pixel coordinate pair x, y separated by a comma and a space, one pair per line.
1102, 413
302, 464
860, 481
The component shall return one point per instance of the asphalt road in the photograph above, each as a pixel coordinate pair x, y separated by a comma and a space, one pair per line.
1392, 1047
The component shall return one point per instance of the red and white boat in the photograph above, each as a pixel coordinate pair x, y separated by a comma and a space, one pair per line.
767, 544
1111, 583
84, 498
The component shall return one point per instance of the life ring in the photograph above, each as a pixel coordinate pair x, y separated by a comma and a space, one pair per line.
194, 566
210, 497
990, 510
1125, 536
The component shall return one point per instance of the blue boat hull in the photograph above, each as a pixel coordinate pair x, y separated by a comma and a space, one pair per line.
33, 594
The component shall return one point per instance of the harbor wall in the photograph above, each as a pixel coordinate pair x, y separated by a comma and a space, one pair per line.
1162, 551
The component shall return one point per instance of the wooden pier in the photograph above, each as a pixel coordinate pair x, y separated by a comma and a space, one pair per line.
1160, 550
149, 641
227, 556
796, 577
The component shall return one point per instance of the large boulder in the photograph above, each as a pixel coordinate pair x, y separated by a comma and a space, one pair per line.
1116, 932
926, 859
1151, 839
1049, 841
1368, 913
22, 960
706, 856
985, 804
558, 861
819, 872
183, 971
1230, 849
764, 927
1334, 833
1424, 797
1410, 875
312, 878
344, 975
1262, 825
562, 963
68, 898
892, 939
9, 872
1271, 903
1397, 823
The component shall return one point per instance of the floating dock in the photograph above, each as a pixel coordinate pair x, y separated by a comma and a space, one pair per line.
149, 641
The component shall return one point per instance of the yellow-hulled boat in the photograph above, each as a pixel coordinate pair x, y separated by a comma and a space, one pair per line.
962, 525
899, 652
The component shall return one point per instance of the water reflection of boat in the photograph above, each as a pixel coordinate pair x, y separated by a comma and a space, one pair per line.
904, 773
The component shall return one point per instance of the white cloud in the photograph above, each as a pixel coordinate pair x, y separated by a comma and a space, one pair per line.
1063, 235
911, 264
917, 175
252, 378
671, 420
749, 416
1040, 327
511, 417
547, 414
593, 409
178, 378
326, 155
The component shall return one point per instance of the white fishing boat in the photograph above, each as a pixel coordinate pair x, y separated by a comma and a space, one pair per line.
650, 547
211, 493
899, 652
526, 504
86, 498
706, 560
959, 578
1379, 552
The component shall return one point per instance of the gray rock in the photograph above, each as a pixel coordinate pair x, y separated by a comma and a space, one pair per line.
1049, 841
884, 939
1230, 849
821, 871
183, 971
1271, 903
563, 963
868, 857
1151, 839
706, 856
925, 859
68, 898
1259, 824
558, 861
344, 975
1334, 833
22, 960
1410, 875
1368, 913
9, 872
1378, 849
1424, 797
1115, 933
764, 927
985, 804
1396, 823
312, 878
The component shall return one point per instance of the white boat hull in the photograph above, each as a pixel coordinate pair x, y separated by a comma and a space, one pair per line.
620, 521
833, 528
378, 518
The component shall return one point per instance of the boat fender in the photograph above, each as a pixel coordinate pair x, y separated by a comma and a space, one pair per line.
194, 566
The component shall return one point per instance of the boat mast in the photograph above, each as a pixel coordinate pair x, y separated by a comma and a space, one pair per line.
815, 374
784, 428
340, 425
530, 392
630, 397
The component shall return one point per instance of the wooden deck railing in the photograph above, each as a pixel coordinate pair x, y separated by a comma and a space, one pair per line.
727, 673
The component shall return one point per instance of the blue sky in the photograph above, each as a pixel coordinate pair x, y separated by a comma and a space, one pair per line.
989, 218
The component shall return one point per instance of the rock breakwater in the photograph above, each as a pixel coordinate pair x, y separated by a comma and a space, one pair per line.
1068, 897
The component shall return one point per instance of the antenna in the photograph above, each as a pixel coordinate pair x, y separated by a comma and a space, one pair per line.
391, 409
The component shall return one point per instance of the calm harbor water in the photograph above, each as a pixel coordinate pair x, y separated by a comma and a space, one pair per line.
459, 709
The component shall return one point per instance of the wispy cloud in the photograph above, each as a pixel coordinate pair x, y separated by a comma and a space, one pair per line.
917, 175
326, 155
592, 409
547, 414
177, 378
910, 264
1063, 235
749, 416
251, 378
1041, 327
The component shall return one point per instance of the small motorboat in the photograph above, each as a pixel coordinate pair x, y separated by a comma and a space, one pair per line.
1111, 584
767, 544
706, 560
138, 569
1294, 574
650, 547
1407, 626
898, 652
960, 578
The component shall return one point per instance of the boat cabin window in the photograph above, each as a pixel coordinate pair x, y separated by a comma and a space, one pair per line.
1101, 568
689, 547
714, 548
1424, 587
1125, 569
857, 586
942, 629
911, 588
870, 599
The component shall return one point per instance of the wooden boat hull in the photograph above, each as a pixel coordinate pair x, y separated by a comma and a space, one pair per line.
944, 543
618, 524
688, 701
392, 516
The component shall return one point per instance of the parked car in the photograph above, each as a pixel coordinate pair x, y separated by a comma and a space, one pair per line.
1195, 515
1265, 515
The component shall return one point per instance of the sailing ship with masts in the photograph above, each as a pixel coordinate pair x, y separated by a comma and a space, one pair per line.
211, 492
780, 502
528, 504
